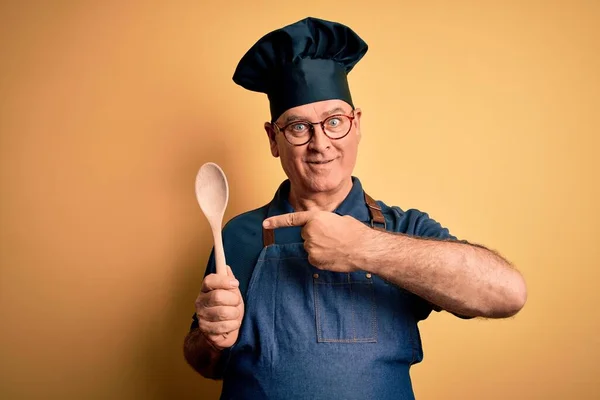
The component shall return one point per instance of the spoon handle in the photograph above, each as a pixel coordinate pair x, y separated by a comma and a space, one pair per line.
219, 252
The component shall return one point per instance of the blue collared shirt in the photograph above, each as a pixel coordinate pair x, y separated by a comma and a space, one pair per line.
243, 241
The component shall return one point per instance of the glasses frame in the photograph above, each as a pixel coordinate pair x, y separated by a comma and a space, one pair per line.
312, 128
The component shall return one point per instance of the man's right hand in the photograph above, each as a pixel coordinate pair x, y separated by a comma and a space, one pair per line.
220, 309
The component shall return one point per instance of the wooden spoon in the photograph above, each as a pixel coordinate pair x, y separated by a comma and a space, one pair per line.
212, 193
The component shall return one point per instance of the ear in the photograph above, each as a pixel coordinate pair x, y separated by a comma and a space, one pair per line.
272, 142
357, 115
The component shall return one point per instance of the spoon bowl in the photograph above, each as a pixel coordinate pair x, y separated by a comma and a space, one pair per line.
212, 193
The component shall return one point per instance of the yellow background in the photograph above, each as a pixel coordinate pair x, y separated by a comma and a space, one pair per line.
483, 114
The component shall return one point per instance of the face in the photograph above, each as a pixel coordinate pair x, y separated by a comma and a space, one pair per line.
323, 164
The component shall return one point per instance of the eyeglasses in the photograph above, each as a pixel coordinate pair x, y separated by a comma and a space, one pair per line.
335, 127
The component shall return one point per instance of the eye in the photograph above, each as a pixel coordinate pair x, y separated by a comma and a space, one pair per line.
299, 127
334, 122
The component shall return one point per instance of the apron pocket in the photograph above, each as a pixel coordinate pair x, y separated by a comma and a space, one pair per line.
345, 307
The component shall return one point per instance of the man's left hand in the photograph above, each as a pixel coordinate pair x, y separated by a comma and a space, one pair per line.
333, 242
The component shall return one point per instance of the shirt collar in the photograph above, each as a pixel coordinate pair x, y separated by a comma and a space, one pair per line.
353, 205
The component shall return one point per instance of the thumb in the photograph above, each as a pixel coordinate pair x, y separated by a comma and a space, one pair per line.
230, 272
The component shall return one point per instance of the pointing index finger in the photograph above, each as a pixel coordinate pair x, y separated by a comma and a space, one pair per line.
299, 218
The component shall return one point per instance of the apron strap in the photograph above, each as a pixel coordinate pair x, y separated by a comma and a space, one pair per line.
268, 237
374, 211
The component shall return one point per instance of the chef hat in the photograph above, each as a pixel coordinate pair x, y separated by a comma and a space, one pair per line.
301, 63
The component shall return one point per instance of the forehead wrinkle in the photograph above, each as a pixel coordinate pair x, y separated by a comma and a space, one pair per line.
335, 110
295, 117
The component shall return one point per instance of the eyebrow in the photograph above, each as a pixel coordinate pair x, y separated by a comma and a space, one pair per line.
336, 110
292, 118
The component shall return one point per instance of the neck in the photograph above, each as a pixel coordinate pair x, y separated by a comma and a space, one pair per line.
322, 201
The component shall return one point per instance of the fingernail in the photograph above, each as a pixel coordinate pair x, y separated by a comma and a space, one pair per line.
234, 283
266, 223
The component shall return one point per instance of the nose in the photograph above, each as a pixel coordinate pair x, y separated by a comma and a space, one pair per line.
319, 141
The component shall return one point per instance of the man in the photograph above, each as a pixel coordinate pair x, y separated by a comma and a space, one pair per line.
328, 307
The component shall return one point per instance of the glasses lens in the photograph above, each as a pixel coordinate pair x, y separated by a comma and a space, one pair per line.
298, 132
337, 126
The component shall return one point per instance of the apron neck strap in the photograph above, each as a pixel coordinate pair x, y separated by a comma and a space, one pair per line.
268, 237
374, 212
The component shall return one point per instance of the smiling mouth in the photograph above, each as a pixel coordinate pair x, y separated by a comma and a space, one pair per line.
320, 162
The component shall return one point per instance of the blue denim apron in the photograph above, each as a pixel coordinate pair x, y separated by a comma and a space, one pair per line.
313, 334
